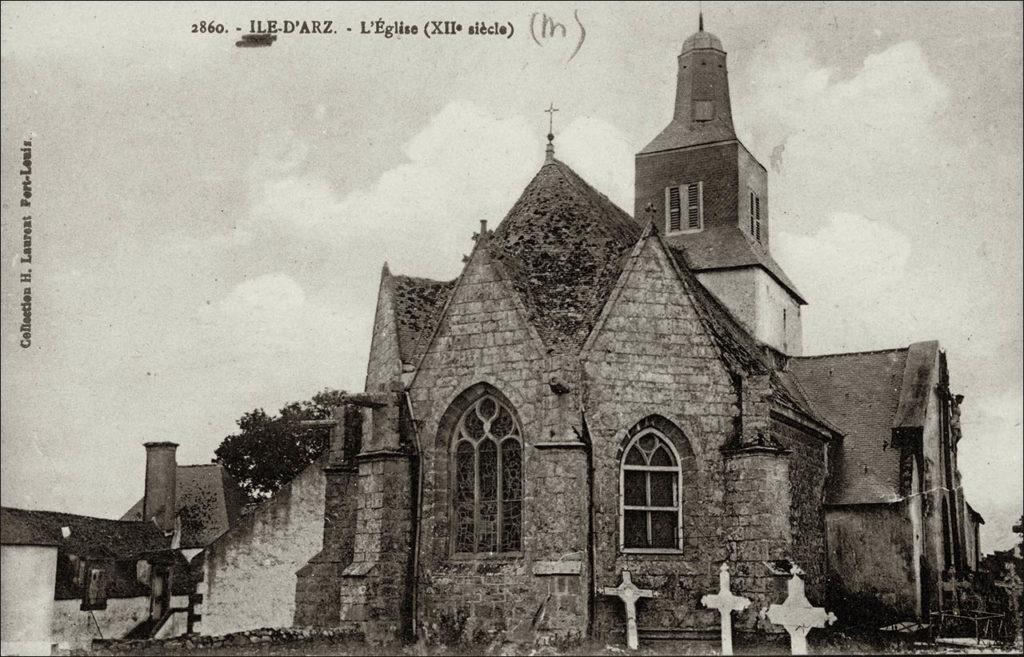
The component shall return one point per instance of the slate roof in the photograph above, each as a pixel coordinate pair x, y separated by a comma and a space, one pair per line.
683, 134
18, 527
859, 393
702, 40
728, 247
90, 537
564, 244
209, 501
418, 306
120, 543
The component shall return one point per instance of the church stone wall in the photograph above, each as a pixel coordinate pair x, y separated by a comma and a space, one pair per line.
872, 569
652, 356
317, 594
250, 570
757, 528
484, 338
808, 473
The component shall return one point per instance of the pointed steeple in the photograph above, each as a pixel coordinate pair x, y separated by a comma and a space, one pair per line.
703, 111
710, 198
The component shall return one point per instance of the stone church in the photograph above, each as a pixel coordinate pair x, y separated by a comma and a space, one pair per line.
601, 392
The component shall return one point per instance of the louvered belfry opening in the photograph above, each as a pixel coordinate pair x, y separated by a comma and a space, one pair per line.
693, 194
675, 213
693, 206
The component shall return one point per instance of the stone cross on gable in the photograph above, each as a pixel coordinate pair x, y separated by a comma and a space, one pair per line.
629, 593
797, 615
725, 602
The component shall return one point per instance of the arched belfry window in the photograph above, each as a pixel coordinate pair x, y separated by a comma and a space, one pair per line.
650, 493
488, 468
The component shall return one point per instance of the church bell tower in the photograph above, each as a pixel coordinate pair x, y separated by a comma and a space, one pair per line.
708, 196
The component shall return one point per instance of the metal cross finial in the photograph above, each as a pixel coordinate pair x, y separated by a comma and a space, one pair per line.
550, 111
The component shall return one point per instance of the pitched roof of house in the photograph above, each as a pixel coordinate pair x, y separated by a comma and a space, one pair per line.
209, 501
89, 536
118, 543
19, 527
859, 393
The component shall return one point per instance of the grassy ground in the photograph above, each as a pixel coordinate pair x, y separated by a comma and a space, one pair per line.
828, 643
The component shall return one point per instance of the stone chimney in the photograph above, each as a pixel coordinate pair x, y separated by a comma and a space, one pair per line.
160, 500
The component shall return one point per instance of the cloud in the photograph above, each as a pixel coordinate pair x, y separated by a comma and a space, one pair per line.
602, 154
464, 165
991, 457
868, 143
269, 313
850, 271
303, 309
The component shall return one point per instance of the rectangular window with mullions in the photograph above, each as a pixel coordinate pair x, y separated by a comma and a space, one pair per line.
684, 208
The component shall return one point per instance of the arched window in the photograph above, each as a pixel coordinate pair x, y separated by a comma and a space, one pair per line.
488, 468
650, 484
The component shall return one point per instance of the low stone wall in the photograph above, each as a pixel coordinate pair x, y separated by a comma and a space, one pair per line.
266, 635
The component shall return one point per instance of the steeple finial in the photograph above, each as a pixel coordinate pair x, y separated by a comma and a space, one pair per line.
549, 152
700, 21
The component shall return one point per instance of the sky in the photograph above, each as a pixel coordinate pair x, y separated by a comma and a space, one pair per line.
210, 222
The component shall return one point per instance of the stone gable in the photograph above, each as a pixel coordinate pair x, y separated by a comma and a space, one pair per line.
651, 355
385, 362
484, 338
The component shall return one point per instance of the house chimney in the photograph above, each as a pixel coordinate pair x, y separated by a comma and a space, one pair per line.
159, 502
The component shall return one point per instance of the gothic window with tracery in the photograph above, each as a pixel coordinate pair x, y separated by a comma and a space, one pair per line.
650, 492
488, 469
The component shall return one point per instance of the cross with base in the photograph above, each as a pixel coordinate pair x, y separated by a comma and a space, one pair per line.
726, 603
628, 592
550, 111
797, 615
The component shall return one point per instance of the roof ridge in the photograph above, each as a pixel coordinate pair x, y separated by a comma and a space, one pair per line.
73, 515
422, 279
200, 465
852, 353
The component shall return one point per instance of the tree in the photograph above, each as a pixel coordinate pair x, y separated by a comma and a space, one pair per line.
269, 451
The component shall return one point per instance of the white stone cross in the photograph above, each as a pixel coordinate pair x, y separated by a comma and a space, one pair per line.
726, 603
797, 615
628, 592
